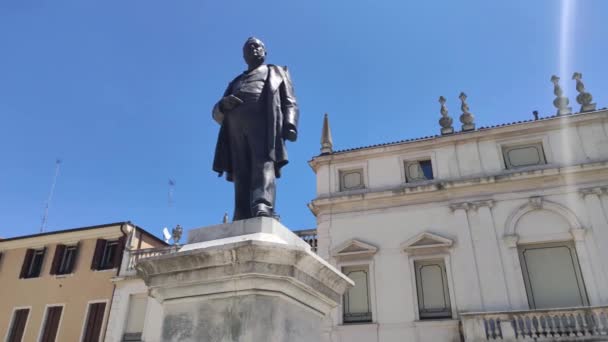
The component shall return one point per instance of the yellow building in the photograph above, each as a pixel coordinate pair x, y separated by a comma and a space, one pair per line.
57, 286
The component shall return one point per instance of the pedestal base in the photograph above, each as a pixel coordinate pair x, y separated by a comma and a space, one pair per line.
249, 281
246, 317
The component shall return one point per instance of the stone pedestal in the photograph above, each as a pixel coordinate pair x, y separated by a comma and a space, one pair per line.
247, 281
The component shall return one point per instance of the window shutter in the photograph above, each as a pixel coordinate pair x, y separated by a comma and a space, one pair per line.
59, 251
26, 262
117, 257
99, 247
72, 266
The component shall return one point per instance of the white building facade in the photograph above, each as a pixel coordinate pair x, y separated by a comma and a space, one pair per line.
495, 233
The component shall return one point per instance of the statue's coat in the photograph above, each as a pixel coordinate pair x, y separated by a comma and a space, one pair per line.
282, 114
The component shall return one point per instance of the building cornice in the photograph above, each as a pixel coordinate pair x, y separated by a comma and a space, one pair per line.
492, 133
67, 236
464, 189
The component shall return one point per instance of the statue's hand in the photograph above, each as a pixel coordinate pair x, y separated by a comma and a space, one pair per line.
290, 134
228, 103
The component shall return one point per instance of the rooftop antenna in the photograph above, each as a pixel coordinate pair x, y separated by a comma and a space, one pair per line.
171, 191
48, 201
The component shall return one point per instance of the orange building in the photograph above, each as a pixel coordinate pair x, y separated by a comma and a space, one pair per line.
57, 286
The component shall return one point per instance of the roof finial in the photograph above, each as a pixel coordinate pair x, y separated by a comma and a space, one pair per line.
466, 118
584, 98
327, 143
225, 218
560, 102
446, 121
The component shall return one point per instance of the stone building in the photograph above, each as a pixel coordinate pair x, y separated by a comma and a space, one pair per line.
490, 233
57, 286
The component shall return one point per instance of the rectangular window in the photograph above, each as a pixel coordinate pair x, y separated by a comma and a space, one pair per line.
357, 306
64, 259
351, 180
552, 276
135, 317
523, 155
420, 170
32, 263
432, 289
18, 323
108, 254
92, 328
51, 324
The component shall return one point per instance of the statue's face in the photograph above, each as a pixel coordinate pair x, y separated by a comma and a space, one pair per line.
254, 52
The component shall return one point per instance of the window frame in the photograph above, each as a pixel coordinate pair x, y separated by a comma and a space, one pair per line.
407, 162
419, 289
107, 259
45, 316
12, 319
355, 268
26, 273
336, 169
360, 262
507, 161
448, 269
343, 172
104, 321
543, 139
551, 244
62, 251
416, 157
101, 261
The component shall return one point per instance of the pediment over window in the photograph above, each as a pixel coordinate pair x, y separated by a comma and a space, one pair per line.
354, 249
426, 240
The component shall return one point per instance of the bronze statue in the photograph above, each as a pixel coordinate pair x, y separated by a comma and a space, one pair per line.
257, 114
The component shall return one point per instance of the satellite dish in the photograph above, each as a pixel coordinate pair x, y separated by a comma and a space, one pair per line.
166, 234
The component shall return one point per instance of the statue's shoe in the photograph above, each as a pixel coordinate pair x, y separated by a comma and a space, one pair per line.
262, 210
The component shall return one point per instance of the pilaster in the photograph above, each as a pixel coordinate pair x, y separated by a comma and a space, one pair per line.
467, 288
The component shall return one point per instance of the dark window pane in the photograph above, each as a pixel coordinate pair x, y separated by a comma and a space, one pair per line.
67, 261
35, 264
92, 328
427, 169
107, 260
51, 324
18, 325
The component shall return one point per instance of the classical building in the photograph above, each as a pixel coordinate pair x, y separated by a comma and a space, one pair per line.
489, 233
57, 286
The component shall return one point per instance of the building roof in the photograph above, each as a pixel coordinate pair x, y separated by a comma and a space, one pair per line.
482, 128
70, 230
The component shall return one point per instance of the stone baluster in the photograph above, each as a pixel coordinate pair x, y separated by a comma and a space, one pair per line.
467, 119
584, 98
446, 121
561, 102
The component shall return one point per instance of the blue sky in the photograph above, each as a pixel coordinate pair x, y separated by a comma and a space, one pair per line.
122, 91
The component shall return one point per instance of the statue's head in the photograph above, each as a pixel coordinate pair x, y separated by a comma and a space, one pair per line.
254, 52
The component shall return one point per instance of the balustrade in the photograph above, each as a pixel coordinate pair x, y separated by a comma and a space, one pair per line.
576, 324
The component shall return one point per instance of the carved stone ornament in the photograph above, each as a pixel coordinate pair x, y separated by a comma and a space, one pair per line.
561, 102
466, 118
536, 202
426, 240
584, 98
446, 121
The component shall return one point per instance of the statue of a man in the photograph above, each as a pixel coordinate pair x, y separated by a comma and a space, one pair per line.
257, 114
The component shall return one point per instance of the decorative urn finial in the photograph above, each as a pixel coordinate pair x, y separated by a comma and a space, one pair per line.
176, 233
446, 121
327, 143
467, 119
561, 102
584, 98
